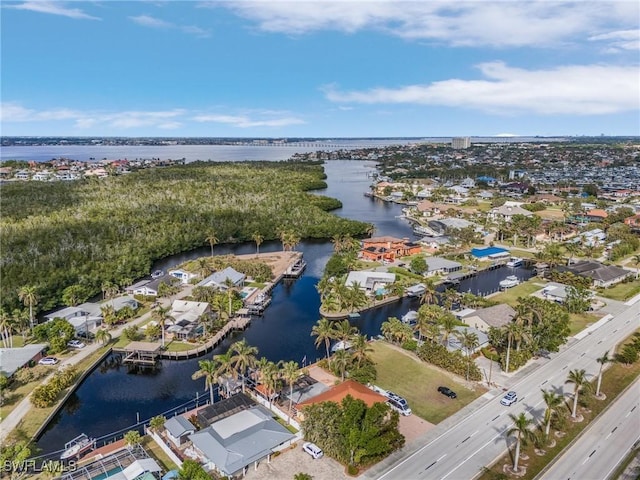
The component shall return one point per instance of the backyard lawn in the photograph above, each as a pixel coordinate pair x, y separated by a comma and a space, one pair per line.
621, 291
525, 289
418, 383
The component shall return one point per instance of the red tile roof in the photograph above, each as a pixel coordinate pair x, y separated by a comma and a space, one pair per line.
349, 387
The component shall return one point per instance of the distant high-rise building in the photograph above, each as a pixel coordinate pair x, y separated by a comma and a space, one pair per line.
460, 142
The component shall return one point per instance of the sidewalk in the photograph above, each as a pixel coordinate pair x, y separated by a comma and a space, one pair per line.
7, 425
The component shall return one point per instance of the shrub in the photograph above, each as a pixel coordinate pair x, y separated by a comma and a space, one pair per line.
410, 345
454, 362
352, 470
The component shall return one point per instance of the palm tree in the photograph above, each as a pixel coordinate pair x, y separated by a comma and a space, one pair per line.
258, 239
360, 349
510, 330
270, 374
429, 295
553, 402
344, 331
447, 325
572, 249
103, 336
5, 329
225, 367
636, 261
28, 295
602, 361
580, 384
203, 267
324, 331
161, 315
231, 290
244, 357
522, 432
208, 370
469, 340
212, 239
290, 372
341, 360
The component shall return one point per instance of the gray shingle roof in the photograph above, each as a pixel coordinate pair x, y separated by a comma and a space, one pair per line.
178, 426
496, 316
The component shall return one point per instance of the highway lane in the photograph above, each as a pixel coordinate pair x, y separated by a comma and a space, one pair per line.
461, 451
605, 444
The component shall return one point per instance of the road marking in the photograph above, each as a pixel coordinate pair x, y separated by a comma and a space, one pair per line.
427, 468
494, 418
441, 457
591, 454
465, 440
544, 382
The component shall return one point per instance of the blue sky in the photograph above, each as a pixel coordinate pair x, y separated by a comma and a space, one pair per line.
322, 69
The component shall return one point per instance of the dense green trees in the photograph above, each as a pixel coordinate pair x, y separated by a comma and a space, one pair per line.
351, 432
111, 230
56, 332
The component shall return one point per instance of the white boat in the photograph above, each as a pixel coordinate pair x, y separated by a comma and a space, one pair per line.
420, 230
157, 274
341, 345
510, 281
410, 318
515, 262
77, 446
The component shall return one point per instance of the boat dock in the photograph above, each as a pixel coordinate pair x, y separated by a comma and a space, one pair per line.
142, 353
296, 269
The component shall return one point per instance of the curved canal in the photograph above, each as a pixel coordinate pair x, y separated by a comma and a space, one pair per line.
113, 398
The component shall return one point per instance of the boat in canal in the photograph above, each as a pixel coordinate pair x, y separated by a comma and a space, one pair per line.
515, 262
510, 281
410, 318
416, 290
341, 345
76, 447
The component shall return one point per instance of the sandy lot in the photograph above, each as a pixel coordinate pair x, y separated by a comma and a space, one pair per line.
293, 461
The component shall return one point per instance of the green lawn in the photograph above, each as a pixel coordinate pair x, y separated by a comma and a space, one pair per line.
418, 383
580, 321
154, 449
621, 291
181, 346
525, 289
521, 253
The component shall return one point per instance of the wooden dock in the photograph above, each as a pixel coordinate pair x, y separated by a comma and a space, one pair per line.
239, 322
142, 353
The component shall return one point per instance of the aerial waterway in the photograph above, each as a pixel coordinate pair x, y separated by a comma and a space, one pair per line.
114, 398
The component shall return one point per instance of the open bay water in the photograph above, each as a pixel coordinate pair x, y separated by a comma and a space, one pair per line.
112, 397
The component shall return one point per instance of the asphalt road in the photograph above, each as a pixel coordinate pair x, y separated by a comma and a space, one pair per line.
461, 451
605, 444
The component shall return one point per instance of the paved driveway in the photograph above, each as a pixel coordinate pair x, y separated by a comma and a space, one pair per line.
292, 461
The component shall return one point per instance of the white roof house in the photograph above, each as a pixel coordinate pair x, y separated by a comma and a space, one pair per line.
189, 311
235, 442
369, 280
218, 279
12, 359
183, 275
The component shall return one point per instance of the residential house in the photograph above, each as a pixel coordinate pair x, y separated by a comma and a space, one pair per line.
601, 275
496, 316
443, 226
13, 359
454, 343
178, 430
232, 444
427, 208
84, 317
370, 281
339, 392
219, 279
596, 215
633, 222
186, 317
377, 249
592, 238
438, 265
507, 212
183, 275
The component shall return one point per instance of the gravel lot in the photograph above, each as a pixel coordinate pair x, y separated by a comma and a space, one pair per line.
292, 461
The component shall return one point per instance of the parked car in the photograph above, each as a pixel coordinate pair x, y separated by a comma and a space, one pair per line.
313, 450
447, 392
509, 399
75, 344
48, 361
399, 405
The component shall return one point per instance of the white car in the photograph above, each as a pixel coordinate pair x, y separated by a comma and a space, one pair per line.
313, 450
509, 399
75, 344
48, 361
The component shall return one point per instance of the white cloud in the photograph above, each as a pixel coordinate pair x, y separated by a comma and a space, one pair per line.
153, 22
243, 121
619, 40
465, 23
574, 89
53, 8
164, 119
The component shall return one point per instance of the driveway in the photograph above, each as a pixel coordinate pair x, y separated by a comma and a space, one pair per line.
292, 461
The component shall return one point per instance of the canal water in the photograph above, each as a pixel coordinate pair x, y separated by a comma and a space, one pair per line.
113, 398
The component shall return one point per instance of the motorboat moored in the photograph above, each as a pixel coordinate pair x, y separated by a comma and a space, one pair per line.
510, 281
74, 448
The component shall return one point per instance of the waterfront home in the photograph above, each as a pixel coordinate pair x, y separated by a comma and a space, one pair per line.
83, 318
185, 318
601, 275
339, 392
118, 303
439, 265
142, 288
178, 430
232, 444
454, 343
427, 208
219, 279
507, 212
380, 249
370, 281
13, 359
442, 226
497, 316
183, 275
